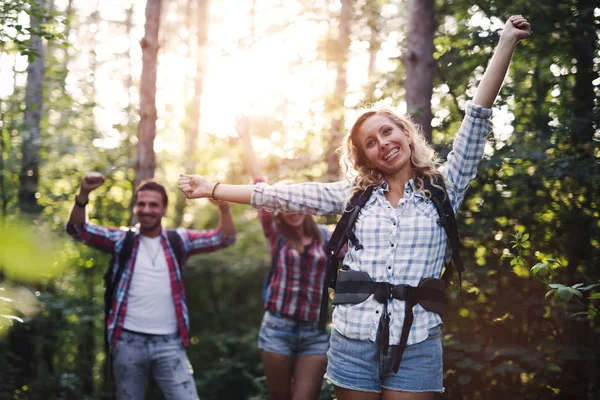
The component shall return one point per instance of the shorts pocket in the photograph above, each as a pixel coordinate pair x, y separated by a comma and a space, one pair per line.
435, 333
273, 321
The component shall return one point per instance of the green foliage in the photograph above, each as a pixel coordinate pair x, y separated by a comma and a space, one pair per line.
15, 34
503, 339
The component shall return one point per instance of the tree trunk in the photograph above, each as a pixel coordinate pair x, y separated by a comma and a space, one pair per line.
373, 20
192, 133
146, 160
29, 176
580, 350
339, 92
419, 62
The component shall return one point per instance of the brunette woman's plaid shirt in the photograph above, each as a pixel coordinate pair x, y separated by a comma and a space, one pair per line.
110, 240
296, 278
402, 245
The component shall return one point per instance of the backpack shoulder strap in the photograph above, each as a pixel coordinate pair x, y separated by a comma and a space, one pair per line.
447, 219
124, 255
112, 278
344, 231
325, 234
274, 258
177, 246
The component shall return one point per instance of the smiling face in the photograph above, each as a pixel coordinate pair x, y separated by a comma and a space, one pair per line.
149, 210
385, 146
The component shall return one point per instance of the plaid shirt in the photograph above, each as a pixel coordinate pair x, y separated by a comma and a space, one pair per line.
111, 240
402, 245
297, 278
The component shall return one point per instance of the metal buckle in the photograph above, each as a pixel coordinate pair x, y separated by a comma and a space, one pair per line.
383, 292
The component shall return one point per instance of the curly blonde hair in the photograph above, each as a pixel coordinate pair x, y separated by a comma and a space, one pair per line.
423, 158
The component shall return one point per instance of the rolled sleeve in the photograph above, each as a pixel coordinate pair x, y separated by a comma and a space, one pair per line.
99, 237
467, 152
310, 198
196, 242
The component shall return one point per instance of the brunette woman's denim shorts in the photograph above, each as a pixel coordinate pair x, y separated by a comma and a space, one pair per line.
358, 365
291, 338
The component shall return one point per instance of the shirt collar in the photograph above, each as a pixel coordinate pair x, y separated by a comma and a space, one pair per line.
409, 188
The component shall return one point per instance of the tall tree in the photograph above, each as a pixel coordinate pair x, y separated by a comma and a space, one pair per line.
581, 127
30, 162
198, 51
419, 62
146, 159
373, 14
336, 106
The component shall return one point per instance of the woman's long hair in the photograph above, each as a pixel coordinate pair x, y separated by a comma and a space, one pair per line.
423, 159
309, 227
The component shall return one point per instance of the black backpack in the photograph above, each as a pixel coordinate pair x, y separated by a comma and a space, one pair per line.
344, 232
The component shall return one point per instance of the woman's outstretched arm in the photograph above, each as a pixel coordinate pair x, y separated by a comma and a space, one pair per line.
198, 187
517, 28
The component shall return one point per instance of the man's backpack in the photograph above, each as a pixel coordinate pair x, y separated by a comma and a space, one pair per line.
123, 257
344, 232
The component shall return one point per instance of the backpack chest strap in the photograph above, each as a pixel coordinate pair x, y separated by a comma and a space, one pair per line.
354, 287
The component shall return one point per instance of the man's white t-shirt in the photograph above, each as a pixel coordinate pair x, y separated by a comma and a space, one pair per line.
150, 307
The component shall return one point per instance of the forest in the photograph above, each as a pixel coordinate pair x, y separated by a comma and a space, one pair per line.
142, 89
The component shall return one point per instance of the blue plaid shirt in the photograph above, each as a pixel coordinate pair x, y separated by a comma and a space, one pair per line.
401, 245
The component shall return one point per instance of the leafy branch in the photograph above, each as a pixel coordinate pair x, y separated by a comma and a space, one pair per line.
543, 272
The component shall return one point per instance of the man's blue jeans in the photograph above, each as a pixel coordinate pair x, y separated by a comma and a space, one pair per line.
137, 355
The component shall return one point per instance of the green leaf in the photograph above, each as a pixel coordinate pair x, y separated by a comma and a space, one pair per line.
555, 285
595, 296
525, 237
565, 293
586, 313
550, 293
575, 286
588, 287
539, 267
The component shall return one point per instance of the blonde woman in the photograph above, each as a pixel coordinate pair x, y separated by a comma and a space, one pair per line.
401, 243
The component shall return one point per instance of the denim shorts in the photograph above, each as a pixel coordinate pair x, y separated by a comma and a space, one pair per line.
284, 336
358, 365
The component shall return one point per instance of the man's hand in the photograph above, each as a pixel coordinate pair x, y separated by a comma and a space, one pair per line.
516, 29
223, 205
91, 181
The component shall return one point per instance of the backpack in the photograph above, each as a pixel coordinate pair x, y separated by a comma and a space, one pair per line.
353, 287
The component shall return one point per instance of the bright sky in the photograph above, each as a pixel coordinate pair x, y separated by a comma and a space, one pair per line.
280, 76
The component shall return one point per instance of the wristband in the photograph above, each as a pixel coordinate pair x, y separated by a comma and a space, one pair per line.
79, 204
212, 195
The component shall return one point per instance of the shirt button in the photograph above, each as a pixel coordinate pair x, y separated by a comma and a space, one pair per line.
389, 267
392, 245
376, 311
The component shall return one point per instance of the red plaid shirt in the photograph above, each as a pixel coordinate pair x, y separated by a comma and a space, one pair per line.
296, 280
110, 240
